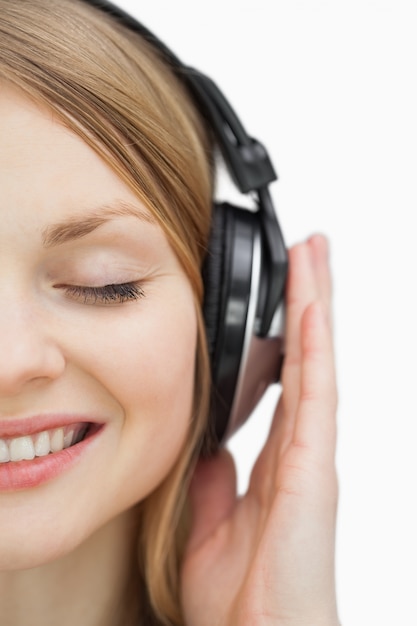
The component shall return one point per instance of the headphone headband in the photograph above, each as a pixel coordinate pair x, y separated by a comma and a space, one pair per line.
246, 158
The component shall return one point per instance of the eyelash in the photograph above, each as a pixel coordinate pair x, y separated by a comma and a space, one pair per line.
108, 294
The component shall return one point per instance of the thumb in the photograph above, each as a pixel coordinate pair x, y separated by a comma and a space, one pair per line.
212, 496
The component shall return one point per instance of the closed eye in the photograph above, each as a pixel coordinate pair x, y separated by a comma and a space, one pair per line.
107, 294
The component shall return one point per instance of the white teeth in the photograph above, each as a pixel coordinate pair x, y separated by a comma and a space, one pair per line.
4, 452
21, 449
57, 440
41, 444
69, 437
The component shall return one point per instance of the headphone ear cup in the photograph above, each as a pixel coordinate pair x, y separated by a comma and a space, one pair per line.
227, 275
213, 272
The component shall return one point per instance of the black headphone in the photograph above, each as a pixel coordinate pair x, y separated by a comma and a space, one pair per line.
246, 264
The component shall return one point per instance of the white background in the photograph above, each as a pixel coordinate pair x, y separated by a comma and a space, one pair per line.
330, 89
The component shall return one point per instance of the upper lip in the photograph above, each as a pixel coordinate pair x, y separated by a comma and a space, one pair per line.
10, 428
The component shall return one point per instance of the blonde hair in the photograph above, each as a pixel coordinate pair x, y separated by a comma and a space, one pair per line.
112, 88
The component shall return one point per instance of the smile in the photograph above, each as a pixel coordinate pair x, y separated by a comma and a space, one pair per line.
27, 447
29, 460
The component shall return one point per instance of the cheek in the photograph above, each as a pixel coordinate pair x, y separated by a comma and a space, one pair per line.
158, 384
158, 366
150, 377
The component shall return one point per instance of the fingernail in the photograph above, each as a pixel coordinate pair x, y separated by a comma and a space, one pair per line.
320, 240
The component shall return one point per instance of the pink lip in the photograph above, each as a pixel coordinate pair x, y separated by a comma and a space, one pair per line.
39, 423
17, 475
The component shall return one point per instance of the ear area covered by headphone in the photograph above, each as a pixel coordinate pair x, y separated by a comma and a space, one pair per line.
227, 276
235, 277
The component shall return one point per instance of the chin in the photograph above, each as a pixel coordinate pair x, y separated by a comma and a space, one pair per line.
23, 553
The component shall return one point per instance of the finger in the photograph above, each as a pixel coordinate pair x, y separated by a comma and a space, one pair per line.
320, 254
315, 428
301, 290
309, 280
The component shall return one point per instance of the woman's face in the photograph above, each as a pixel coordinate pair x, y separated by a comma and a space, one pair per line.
97, 340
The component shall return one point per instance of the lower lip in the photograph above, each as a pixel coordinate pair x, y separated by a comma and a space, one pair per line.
18, 475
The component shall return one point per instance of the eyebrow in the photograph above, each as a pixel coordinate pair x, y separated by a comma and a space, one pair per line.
83, 224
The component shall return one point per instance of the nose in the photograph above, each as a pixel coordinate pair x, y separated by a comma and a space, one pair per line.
28, 352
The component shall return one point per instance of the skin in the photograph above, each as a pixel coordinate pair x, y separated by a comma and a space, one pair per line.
130, 364
265, 559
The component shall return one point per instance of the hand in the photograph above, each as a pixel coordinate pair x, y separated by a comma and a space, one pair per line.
267, 559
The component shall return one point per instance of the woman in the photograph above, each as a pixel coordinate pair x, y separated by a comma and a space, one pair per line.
108, 516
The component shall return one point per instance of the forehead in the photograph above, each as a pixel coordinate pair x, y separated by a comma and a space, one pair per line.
31, 134
24, 122
44, 165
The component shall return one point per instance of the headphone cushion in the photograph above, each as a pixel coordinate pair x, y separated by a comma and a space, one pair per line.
213, 273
